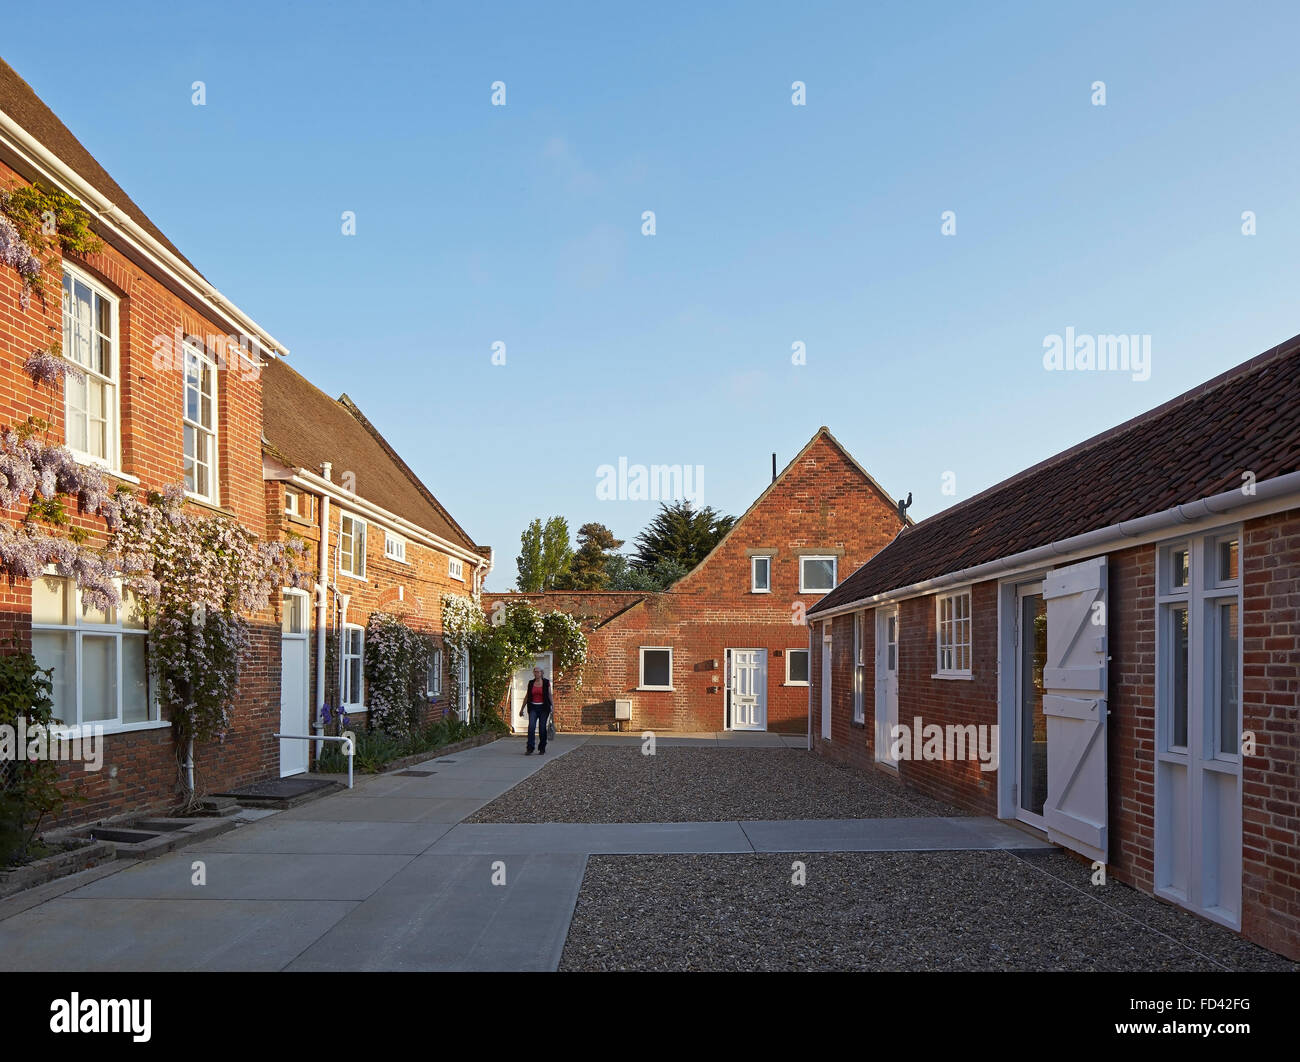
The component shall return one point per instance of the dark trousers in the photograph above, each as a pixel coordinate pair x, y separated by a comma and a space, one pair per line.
537, 715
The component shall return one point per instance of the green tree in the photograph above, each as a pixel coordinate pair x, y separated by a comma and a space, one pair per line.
680, 533
589, 567
544, 556
622, 574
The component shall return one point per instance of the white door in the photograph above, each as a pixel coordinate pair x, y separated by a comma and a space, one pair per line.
1030, 720
1074, 704
294, 662
747, 686
826, 681
886, 684
519, 688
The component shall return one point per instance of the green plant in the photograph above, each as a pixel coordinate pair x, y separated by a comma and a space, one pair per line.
30, 790
44, 219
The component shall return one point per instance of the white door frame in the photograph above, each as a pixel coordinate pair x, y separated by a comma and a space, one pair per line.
760, 687
886, 691
1020, 591
295, 755
827, 667
546, 660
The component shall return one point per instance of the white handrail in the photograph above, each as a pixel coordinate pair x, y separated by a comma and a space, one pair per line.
348, 738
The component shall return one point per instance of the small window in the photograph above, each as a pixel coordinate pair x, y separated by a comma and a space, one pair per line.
90, 341
952, 614
760, 575
796, 667
859, 665
433, 674
1227, 561
352, 552
816, 575
354, 659
291, 498
293, 613
656, 669
1179, 568
456, 568
394, 547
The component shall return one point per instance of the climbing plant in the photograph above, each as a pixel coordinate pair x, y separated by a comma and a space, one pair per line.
36, 221
397, 660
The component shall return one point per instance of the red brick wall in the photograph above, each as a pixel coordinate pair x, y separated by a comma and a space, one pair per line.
1271, 710
822, 504
140, 768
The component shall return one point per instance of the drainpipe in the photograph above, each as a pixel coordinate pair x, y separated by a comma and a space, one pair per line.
322, 609
189, 768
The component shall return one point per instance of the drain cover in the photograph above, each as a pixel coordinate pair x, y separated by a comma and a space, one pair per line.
414, 774
445, 761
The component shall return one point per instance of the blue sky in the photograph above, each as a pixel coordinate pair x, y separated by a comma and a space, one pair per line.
775, 224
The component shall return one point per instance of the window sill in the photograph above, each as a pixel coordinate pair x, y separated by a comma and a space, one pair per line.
357, 578
98, 462
84, 730
294, 518
656, 689
796, 684
822, 592
754, 591
960, 676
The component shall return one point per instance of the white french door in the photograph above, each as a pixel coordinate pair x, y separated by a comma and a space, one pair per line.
1198, 726
747, 688
886, 684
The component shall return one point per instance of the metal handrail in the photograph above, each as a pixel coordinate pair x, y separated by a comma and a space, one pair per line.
348, 738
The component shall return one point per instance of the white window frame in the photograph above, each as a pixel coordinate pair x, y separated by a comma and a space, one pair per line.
656, 649
835, 573
948, 652
349, 660
789, 653
395, 547
194, 348
754, 588
112, 459
79, 628
291, 502
456, 568
346, 556
433, 670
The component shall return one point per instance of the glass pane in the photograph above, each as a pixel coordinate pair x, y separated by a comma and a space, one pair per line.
95, 615
354, 682
818, 574
50, 601
656, 667
131, 613
1229, 653
53, 649
798, 665
135, 681
1227, 561
1033, 722
1178, 675
1178, 565
98, 678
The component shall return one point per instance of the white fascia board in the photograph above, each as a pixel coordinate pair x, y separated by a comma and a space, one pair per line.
309, 481
52, 169
1271, 496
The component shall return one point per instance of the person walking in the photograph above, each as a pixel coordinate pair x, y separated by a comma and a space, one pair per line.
537, 699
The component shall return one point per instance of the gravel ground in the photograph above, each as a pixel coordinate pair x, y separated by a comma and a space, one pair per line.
683, 784
889, 911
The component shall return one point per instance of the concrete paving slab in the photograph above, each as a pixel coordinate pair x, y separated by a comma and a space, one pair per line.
592, 838
129, 934
250, 876
388, 809
322, 837
887, 835
445, 913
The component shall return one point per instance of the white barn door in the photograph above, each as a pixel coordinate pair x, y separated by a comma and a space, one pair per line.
1074, 702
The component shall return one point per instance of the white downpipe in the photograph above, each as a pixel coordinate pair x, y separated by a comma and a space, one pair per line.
189, 767
1102, 540
322, 616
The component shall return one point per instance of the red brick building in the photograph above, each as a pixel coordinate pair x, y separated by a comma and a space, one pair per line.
1105, 648
390, 547
167, 399
725, 647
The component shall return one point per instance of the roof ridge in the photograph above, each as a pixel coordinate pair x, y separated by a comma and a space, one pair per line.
1254, 364
346, 402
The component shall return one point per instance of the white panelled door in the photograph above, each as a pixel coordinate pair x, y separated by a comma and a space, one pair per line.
294, 662
826, 681
886, 684
747, 684
1074, 702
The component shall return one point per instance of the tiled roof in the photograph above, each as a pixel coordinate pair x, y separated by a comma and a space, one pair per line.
303, 427
1194, 446
20, 102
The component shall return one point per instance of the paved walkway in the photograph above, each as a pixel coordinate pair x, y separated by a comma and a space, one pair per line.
387, 877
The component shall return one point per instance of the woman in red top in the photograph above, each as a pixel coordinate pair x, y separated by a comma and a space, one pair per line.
537, 699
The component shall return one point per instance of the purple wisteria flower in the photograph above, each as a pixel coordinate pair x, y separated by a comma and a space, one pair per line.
46, 367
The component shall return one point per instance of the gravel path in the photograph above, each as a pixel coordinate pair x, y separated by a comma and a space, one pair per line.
683, 784
883, 911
